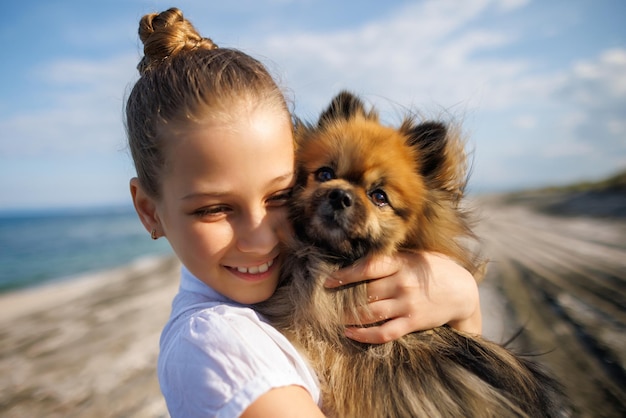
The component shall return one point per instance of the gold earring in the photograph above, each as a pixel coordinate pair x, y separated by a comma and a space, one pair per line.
153, 234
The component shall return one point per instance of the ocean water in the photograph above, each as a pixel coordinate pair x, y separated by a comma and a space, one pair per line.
39, 247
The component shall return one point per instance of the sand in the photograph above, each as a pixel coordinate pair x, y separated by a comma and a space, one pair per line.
562, 277
86, 347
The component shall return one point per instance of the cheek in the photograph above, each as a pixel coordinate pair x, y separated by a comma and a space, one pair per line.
206, 241
372, 223
215, 238
385, 227
279, 219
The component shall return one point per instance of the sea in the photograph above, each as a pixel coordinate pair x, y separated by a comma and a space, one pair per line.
40, 247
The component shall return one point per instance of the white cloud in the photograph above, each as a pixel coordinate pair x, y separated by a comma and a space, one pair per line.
436, 54
566, 148
425, 52
617, 127
422, 53
591, 83
596, 90
525, 122
510, 5
84, 115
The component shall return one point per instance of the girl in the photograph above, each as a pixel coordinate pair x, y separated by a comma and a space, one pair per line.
211, 139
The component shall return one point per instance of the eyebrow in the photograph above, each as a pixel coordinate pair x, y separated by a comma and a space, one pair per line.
218, 194
283, 177
203, 194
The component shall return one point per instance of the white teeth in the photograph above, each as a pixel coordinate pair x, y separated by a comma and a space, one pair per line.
256, 269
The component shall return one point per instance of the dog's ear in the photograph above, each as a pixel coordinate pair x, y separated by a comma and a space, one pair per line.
429, 138
345, 106
439, 152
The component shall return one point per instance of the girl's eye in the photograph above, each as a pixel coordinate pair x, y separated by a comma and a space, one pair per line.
281, 198
211, 211
379, 197
324, 174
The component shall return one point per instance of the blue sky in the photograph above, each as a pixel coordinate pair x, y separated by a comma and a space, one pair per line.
539, 86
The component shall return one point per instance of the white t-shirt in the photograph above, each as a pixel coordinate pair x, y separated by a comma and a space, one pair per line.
218, 356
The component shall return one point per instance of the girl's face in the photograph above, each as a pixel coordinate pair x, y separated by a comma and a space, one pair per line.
225, 191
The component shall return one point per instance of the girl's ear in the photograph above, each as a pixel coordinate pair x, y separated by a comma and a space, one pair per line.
145, 207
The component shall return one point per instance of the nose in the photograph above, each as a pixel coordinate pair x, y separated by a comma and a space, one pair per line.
257, 233
340, 199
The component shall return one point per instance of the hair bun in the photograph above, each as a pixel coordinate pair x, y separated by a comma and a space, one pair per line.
166, 34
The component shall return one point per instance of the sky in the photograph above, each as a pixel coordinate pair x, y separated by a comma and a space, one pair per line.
539, 87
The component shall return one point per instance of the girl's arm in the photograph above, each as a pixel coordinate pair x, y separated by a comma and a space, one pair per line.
284, 402
413, 292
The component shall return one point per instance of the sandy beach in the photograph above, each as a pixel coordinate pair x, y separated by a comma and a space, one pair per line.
88, 347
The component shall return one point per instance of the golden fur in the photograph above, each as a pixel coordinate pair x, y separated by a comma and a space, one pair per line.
363, 188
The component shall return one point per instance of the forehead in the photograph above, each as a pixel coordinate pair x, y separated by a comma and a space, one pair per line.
217, 150
241, 124
356, 147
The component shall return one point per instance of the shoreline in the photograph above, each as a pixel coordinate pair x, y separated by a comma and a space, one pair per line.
15, 302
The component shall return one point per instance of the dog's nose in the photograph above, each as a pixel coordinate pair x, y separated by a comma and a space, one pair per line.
340, 199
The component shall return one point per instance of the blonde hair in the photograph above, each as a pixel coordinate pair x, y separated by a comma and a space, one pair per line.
185, 78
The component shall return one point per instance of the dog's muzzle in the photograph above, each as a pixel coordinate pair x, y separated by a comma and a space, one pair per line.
340, 199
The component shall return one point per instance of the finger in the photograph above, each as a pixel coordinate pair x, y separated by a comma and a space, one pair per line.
373, 313
346, 275
389, 331
378, 266
381, 289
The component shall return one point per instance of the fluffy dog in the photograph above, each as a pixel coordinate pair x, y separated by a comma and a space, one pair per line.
364, 188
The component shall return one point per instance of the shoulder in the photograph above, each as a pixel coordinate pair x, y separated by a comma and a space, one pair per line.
217, 337
218, 330
222, 358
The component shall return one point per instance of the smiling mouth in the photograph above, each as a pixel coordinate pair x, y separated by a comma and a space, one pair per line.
261, 268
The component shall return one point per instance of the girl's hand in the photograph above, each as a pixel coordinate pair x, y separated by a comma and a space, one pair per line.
411, 292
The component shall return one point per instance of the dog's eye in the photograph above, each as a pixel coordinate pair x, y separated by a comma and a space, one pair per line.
324, 174
379, 198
